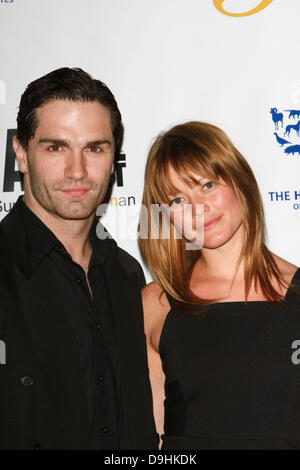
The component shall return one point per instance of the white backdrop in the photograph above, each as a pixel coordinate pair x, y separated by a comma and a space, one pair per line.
169, 61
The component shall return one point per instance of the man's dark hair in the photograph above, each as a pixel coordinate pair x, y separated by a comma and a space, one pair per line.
71, 84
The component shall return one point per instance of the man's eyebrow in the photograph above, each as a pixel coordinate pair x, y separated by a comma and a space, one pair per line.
98, 142
48, 140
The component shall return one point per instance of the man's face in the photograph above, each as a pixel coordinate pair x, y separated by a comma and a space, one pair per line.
69, 160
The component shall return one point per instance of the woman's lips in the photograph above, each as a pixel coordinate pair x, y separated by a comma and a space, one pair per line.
209, 225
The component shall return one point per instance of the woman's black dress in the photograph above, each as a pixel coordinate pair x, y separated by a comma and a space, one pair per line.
233, 376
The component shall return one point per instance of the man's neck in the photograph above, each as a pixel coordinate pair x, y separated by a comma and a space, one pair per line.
73, 234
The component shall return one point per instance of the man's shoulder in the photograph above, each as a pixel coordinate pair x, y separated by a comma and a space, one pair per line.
129, 264
6, 240
10, 216
118, 254
127, 260
12, 227
7, 261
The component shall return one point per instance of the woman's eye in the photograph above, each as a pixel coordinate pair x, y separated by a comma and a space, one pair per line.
208, 185
176, 201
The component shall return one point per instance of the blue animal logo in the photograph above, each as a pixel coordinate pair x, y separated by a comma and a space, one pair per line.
287, 129
293, 113
280, 140
277, 117
293, 149
295, 127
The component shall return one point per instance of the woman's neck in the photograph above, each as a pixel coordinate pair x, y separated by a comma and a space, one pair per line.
223, 262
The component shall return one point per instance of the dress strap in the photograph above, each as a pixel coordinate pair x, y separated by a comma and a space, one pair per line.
172, 301
294, 287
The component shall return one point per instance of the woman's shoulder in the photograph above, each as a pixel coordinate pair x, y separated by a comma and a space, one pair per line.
154, 295
155, 304
153, 288
286, 268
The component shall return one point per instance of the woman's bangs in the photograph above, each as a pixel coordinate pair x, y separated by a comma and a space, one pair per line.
188, 167
162, 186
190, 160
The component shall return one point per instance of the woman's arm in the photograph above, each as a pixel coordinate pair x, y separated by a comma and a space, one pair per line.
155, 311
157, 380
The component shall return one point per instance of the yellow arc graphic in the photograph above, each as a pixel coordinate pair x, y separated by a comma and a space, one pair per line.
263, 4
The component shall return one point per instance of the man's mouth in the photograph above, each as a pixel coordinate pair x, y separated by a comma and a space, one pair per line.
76, 192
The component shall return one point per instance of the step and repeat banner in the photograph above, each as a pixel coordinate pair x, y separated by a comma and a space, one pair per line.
233, 63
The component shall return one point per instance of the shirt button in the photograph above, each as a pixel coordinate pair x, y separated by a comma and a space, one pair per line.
26, 381
98, 326
101, 379
104, 430
79, 281
37, 446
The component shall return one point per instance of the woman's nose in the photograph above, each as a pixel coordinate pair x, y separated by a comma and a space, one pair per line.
199, 206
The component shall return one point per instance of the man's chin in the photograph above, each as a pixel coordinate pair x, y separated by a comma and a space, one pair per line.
75, 212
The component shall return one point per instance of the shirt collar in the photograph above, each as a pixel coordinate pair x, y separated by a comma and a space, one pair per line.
103, 245
40, 240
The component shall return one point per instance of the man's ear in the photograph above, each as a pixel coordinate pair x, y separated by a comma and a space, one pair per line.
21, 155
112, 168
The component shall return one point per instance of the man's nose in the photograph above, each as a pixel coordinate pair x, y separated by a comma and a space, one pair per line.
76, 166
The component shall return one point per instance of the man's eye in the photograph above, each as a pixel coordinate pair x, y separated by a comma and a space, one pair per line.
176, 201
208, 185
55, 148
95, 149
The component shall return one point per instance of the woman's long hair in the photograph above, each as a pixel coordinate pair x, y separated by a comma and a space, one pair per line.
203, 149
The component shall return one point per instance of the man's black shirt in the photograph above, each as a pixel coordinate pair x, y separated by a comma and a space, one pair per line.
75, 374
89, 317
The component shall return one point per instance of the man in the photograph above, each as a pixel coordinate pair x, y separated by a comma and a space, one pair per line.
75, 374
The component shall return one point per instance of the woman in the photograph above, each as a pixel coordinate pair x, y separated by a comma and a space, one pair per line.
221, 321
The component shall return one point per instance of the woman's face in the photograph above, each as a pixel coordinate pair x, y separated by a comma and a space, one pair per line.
210, 206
